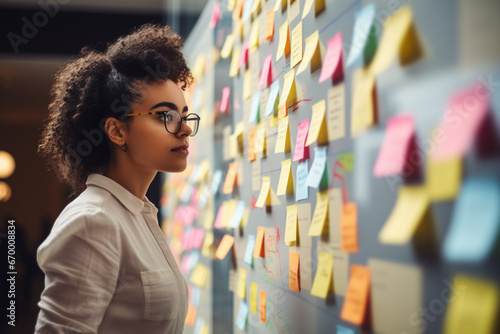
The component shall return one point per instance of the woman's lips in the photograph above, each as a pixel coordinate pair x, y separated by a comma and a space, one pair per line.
181, 149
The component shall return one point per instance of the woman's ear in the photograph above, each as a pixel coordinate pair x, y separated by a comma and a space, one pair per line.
116, 130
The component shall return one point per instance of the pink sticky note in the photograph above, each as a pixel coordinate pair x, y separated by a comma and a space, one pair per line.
393, 155
332, 66
215, 15
218, 219
244, 55
266, 76
301, 151
467, 112
197, 237
225, 99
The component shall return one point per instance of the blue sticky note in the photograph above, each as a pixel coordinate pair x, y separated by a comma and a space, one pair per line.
241, 320
272, 102
238, 214
344, 330
216, 178
247, 10
193, 259
475, 221
302, 191
255, 108
200, 322
364, 40
318, 167
248, 258
195, 295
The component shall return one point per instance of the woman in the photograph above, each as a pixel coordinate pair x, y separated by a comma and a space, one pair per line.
116, 119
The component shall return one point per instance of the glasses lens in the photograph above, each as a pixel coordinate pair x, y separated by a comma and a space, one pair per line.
172, 121
193, 121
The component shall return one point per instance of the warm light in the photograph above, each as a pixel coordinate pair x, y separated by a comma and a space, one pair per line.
7, 164
5, 192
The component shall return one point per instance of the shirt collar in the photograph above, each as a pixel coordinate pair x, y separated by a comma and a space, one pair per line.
129, 200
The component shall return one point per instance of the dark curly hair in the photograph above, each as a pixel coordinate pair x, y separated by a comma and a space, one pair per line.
98, 85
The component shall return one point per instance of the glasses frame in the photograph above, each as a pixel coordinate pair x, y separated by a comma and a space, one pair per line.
188, 117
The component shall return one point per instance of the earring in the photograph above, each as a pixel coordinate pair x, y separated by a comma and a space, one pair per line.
123, 147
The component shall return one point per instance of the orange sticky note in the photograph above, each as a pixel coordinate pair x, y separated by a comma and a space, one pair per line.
349, 228
238, 10
269, 25
356, 298
259, 250
251, 144
294, 281
231, 176
263, 301
191, 315
225, 245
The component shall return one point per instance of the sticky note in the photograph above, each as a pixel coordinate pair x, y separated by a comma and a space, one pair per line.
280, 4
356, 298
229, 210
224, 246
364, 40
207, 244
241, 319
285, 184
254, 292
199, 275
283, 140
406, 215
296, 45
199, 66
389, 282
272, 102
442, 178
349, 228
231, 176
269, 25
393, 156
214, 19
242, 283
333, 65
336, 112
228, 46
238, 10
344, 330
235, 58
255, 109
312, 54
364, 102
399, 37
263, 301
264, 196
294, 270
317, 130
244, 55
255, 177
465, 115
473, 307
247, 85
288, 94
319, 6
302, 190
253, 40
474, 225
284, 42
323, 280
225, 99
247, 10
266, 75
233, 146
291, 224
191, 315
238, 215
318, 175
256, 7
301, 151
259, 243
251, 144
260, 139
318, 226
248, 257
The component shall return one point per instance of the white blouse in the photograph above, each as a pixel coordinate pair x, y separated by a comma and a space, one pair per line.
108, 268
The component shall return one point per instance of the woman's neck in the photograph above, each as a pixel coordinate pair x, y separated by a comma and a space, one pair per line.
134, 180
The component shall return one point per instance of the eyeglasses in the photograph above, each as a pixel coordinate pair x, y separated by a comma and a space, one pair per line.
173, 120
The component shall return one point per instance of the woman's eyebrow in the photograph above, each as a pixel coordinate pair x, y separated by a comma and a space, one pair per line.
168, 105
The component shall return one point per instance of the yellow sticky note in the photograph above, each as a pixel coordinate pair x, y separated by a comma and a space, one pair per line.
323, 279
263, 301
231, 177
253, 41
229, 208
296, 45
227, 47
260, 139
265, 189
251, 143
336, 112
235, 58
317, 129
242, 283
410, 207
319, 6
233, 146
207, 244
199, 66
364, 101
254, 292
312, 53
256, 7
284, 43
399, 37
442, 178
288, 94
199, 275
291, 224
283, 140
224, 246
247, 84
320, 215
231, 4
293, 270
285, 184
473, 307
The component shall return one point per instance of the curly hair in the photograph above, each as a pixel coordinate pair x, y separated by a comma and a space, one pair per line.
96, 86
